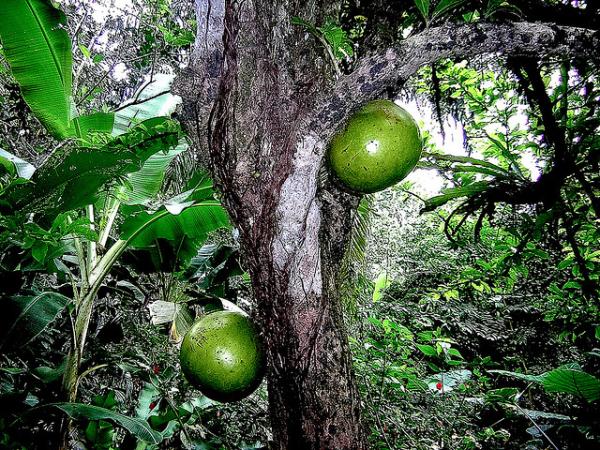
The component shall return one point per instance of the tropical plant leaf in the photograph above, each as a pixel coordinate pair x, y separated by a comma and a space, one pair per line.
450, 380
72, 178
445, 6
25, 317
100, 122
452, 193
382, 282
463, 160
153, 99
338, 39
16, 166
50, 374
38, 50
520, 376
192, 214
177, 314
572, 381
355, 254
144, 184
196, 220
213, 265
148, 394
541, 415
423, 7
138, 427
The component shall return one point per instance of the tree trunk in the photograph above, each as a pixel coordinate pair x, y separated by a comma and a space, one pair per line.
260, 103
266, 161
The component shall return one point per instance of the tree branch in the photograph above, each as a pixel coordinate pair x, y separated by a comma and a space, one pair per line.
391, 68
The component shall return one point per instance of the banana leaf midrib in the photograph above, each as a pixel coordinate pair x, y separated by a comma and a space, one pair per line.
49, 44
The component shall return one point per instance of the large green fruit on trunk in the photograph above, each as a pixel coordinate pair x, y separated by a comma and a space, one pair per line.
379, 146
221, 355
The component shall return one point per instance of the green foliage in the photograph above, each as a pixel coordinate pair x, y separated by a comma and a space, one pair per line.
338, 39
196, 220
571, 381
15, 167
332, 36
38, 50
137, 427
73, 178
565, 380
112, 173
25, 317
441, 8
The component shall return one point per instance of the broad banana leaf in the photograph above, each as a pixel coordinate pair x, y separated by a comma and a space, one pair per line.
25, 317
188, 217
195, 221
38, 49
138, 427
153, 99
144, 184
72, 178
100, 122
16, 166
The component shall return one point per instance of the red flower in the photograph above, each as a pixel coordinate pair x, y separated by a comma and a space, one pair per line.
156, 369
152, 406
439, 386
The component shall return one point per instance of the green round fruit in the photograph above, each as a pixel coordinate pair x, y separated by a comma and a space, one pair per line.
221, 355
379, 146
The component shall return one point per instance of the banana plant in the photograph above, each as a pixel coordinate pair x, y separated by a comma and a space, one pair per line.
109, 172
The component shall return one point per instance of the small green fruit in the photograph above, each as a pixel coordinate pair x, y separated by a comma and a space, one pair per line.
221, 355
379, 146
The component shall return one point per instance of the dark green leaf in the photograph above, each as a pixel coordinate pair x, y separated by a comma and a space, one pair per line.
427, 350
144, 184
423, 7
445, 6
575, 382
94, 123
139, 428
25, 317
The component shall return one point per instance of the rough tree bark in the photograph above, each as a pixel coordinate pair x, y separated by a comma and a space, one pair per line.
260, 104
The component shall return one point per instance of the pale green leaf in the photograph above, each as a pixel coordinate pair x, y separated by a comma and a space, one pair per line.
519, 376
94, 123
144, 184
15, 165
382, 282
153, 99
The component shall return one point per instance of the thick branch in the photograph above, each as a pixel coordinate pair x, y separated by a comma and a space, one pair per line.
390, 69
